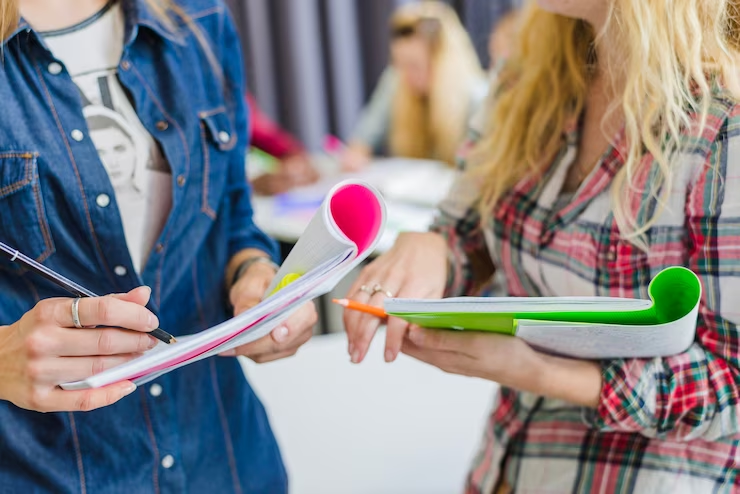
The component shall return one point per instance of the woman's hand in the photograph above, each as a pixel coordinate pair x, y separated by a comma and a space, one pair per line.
45, 349
508, 361
355, 157
416, 267
295, 171
285, 340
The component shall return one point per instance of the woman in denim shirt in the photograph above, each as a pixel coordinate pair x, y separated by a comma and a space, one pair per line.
122, 140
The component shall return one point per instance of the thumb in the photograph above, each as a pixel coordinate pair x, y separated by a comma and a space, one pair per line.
139, 296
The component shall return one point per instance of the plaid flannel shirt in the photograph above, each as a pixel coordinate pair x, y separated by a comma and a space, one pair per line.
664, 425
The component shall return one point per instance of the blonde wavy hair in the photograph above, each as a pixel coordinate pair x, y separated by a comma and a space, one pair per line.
434, 127
672, 53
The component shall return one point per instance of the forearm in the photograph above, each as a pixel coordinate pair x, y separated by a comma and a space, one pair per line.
573, 381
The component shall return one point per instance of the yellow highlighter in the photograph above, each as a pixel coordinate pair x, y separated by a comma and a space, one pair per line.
287, 280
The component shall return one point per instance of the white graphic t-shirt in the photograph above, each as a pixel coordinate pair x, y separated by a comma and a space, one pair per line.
138, 171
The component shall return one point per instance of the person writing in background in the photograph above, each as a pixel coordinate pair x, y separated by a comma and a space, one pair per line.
608, 152
122, 145
294, 165
423, 102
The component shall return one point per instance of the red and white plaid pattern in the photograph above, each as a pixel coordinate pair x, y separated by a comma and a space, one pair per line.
665, 424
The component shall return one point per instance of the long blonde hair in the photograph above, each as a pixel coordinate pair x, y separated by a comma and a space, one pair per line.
433, 127
672, 54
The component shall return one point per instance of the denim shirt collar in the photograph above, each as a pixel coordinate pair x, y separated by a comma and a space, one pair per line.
137, 14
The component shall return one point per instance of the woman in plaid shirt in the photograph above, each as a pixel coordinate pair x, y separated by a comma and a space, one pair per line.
610, 150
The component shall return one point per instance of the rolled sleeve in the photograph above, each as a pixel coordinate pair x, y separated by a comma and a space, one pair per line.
459, 221
694, 394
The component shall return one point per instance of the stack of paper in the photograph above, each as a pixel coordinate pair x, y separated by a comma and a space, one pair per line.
342, 233
581, 327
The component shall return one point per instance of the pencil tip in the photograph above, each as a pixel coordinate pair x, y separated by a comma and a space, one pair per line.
172, 340
341, 301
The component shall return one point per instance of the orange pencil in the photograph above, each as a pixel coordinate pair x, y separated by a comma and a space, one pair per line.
368, 309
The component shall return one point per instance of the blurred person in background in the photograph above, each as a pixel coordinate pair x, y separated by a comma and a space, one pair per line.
423, 102
294, 165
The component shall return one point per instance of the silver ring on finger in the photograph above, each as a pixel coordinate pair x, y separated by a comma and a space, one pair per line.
367, 289
76, 313
379, 289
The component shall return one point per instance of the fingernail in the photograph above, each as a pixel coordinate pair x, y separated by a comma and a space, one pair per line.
148, 291
280, 334
130, 388
228, 353
356, 357
389, 356
351, 348
153, 321
153, 342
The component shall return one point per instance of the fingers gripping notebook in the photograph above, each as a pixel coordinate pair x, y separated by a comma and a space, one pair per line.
343, 232
581, 327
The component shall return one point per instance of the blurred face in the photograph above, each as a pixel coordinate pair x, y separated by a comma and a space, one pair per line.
413, 61
592, 11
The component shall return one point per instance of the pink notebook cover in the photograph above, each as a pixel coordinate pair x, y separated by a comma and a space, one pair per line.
356, 211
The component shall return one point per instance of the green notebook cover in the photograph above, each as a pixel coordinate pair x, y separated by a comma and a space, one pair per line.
675, 292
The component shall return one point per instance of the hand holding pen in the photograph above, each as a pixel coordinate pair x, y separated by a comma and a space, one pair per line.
62, 340
44, 349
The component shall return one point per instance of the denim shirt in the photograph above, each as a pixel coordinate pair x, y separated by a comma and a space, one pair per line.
200, 428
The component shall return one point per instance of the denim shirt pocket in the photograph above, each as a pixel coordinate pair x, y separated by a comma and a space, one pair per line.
218, 139
23, 224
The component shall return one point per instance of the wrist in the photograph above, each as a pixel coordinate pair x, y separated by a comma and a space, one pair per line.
575, 381
244, 266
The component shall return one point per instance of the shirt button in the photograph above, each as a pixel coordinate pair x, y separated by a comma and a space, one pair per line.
168, 461
159, 248
224, 136
120, 270
54, 68
77, 135
162, 125
155, 390
125, 65
181, 180
103, 200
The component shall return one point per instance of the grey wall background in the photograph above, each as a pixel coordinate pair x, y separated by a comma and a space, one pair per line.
312, 64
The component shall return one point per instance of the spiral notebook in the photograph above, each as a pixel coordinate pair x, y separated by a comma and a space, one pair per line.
580, 327
343, 232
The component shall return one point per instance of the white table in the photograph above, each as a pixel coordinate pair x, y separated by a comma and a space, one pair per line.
411, 188
403, 428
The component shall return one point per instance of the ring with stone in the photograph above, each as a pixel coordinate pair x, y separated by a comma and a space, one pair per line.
377, 288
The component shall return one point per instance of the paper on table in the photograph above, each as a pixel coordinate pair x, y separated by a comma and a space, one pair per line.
342, 234
581, 327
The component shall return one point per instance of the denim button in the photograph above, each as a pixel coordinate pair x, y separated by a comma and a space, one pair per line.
168, 461
162, 125
77, 135
224, 136
120, 270
54, 68
103, 200
180, 180
155, 390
